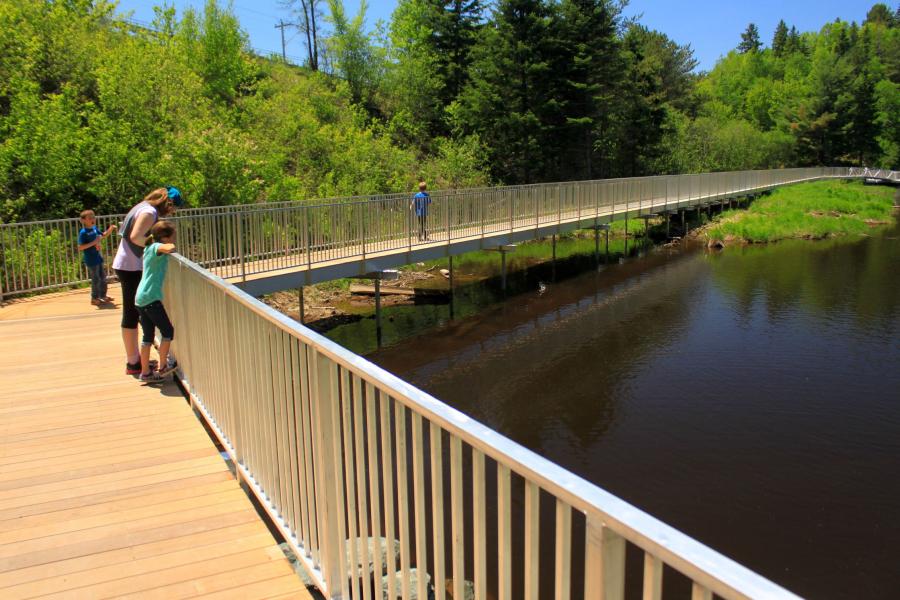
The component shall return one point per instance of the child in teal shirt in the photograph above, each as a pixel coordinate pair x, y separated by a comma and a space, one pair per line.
149, 297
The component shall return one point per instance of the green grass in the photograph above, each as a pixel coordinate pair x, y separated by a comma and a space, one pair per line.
812, 210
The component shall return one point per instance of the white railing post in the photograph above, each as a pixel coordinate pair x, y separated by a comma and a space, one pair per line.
329, 489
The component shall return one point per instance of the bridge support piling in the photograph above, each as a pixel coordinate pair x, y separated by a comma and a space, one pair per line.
378, 311
553, 261
300, 298
646, 219
606, 260
597, 229
683, 226
451, 286
503, 268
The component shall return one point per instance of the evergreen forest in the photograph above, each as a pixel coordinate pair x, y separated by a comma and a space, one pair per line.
96, 109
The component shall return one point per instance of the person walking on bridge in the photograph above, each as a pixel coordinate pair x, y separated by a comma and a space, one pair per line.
128, 263
420, 203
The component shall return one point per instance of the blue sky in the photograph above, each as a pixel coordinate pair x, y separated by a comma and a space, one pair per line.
711, 27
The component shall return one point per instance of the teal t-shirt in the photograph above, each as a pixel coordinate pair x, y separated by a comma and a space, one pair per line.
155, 266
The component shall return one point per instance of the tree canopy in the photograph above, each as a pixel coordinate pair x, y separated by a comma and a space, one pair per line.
95, 110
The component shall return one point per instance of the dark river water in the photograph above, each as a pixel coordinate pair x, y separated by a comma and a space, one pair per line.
750, 398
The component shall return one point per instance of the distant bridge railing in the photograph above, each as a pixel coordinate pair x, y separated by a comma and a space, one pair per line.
364, 474
241, 240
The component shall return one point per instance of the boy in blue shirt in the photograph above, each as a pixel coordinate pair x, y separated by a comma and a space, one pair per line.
89, 240
420, 202
149, 297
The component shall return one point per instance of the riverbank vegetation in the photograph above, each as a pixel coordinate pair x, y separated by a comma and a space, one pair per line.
811, 210
96, 109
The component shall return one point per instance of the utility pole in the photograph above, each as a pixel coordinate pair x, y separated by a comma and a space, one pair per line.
281, 25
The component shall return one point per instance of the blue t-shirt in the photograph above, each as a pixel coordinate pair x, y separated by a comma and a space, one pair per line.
421, 202
91, 256
153, 277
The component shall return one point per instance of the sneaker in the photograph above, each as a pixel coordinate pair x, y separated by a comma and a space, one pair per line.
109, 299
133, 368
96, 301
152, 377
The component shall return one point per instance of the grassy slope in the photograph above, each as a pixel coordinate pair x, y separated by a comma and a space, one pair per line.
811, 210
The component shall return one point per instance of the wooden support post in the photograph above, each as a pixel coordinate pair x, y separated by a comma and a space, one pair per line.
503, 268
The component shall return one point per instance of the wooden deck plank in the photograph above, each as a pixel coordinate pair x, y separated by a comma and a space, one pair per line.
108, 443
104, 514
205, 578
137, 566
100, 459
71, 504
280, 587
193, 542
110, 487
90, 485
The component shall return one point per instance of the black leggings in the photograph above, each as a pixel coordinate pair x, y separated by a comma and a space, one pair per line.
152, 316
130, 281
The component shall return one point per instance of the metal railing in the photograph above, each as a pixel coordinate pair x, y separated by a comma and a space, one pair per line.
366, 475
242, 240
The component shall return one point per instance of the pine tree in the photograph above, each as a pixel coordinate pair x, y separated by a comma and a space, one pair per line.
455, 25
794, 43
862, 128
750, 40
881, 14
780, 40
644, 109
510, 98
591, 68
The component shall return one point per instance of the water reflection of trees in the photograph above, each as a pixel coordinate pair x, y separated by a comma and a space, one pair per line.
849, 275
549, 371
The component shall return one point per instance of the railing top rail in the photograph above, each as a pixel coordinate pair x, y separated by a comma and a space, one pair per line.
703, 564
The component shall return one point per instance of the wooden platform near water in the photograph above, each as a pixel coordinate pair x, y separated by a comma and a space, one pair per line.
110, 488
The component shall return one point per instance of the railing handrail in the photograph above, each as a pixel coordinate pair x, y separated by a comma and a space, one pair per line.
720, 574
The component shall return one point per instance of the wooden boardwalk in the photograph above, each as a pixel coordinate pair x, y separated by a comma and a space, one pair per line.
109, 488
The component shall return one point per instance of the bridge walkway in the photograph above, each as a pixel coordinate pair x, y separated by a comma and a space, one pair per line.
291, 266
109, 488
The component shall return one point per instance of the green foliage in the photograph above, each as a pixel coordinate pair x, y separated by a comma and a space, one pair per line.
39, 258
356, 59
413, 87
813, 210
95, 112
